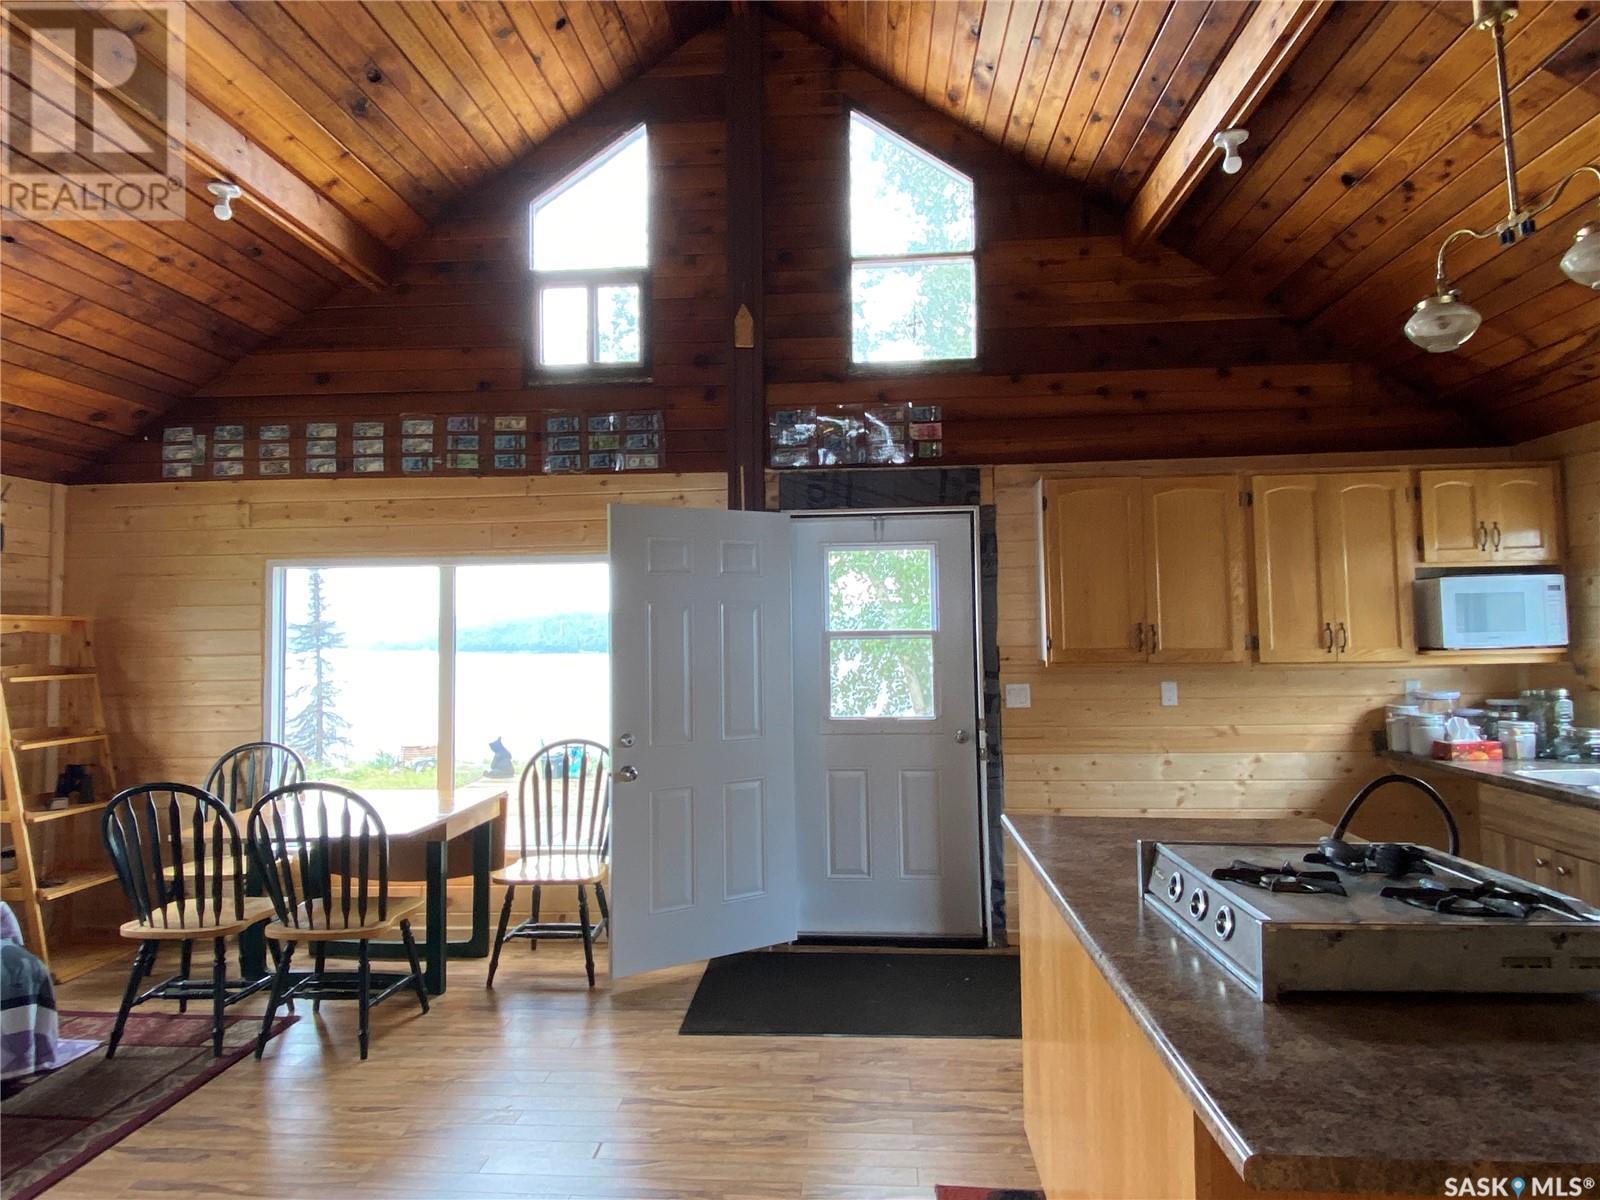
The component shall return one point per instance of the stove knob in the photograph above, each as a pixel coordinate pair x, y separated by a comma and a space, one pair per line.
1198, 903
1224, 923
1175, 887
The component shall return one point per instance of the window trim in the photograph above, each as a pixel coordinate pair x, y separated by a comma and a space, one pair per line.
942, 366
275, 635
537, 373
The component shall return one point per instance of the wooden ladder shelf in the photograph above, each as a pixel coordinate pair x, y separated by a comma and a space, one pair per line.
60, 671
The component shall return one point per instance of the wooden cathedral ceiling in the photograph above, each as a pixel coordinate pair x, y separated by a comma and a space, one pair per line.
366, 119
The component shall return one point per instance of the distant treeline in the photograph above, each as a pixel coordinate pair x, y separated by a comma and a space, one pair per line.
559, 633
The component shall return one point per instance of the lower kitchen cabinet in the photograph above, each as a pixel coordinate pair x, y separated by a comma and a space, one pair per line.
1544, 841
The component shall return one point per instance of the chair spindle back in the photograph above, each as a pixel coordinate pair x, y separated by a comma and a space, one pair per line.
564, 799
173, 842
323, 854
246, 773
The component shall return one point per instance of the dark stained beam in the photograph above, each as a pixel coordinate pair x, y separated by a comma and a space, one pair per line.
746, 288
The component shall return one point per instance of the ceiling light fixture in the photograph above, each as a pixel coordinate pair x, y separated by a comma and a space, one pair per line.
226, 193
1443, 321
1229, 141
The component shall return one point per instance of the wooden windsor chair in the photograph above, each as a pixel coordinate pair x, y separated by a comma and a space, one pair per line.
323, 854
246, 773
176, 851
564, 829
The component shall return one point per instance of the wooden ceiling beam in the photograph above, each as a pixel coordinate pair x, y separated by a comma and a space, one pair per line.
213, 146
1274, 34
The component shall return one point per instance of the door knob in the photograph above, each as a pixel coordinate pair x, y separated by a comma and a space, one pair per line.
962, 737
627, 774
625, 740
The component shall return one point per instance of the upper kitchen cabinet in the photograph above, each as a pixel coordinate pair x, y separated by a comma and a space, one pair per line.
1474, 516
1143, 570
1334, 567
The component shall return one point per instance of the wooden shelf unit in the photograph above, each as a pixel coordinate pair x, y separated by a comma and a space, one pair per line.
70, 687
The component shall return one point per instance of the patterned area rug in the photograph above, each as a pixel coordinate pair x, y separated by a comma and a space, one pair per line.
946, 1192
57, 1122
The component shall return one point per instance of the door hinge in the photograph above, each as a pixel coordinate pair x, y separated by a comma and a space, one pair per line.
1049, 643
1420, 548
1246, 499
1044, 503
1252, 642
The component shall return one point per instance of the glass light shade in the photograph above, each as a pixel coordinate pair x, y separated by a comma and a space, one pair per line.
1442, 323
1582, 261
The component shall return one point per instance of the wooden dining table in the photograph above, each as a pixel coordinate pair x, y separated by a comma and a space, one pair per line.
432, 836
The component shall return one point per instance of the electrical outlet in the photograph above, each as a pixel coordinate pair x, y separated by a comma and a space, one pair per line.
1169, 693
1413, 685
1019, 695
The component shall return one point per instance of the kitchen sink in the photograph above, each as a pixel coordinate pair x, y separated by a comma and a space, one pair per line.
1565, 776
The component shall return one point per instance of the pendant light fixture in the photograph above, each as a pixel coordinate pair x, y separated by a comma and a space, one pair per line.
1443, 321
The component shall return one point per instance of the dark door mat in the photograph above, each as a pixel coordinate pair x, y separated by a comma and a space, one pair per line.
858, 995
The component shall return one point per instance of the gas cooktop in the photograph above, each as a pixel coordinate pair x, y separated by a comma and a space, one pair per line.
1287, 917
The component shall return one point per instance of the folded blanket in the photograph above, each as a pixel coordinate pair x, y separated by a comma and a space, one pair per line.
27, 1005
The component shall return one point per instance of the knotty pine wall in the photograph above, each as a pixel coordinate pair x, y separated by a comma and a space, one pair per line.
1084, 351
33, 516
448, 334
1579, 452
175, 577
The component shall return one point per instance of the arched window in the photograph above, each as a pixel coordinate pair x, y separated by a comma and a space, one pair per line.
913, 279
589, 251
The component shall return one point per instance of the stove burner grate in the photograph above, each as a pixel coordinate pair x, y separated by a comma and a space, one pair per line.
1281, 879
1487, 899
1396, 860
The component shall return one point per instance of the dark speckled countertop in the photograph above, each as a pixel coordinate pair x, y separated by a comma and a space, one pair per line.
1507, 775
1344, 1092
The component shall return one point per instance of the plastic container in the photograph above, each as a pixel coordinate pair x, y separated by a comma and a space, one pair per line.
1518, 739
1423, 730
1443, 703
1397, 727
1501, 710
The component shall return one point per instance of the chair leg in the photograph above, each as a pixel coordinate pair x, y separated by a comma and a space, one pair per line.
365, 972
605, 910
533, 943
416, 963
588, 934
141, 965
280, 981
184, 953
219, 993
500, 934
321, 956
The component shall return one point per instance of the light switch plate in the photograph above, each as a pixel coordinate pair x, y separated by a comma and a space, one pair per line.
1169, 693
1413, 685
1019, 695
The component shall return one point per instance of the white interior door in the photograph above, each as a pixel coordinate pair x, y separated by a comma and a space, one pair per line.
888, 798
702, 843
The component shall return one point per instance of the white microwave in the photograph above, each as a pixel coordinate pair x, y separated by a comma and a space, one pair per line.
1483, 612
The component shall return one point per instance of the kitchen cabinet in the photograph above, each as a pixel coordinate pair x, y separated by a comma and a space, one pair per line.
1144, 570
1544, 841
1479, 516
1334, 565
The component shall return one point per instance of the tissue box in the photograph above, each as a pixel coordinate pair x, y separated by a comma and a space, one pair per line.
1469, 751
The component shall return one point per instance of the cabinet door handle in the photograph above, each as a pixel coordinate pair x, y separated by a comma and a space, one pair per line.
1344, 638
1327, 631
1562, 871
1483, 536
1496, 535
1138, 637
1155, 637
1540, 863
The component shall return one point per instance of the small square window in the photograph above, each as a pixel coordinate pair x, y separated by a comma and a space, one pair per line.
880, 589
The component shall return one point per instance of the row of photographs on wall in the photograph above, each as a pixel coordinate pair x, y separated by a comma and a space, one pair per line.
568, 443
855, 435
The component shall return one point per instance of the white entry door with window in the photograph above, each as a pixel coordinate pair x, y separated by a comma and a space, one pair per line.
796, 749
889, 820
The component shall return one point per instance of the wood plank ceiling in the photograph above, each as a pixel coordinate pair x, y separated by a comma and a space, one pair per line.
391, 110
1378, 139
